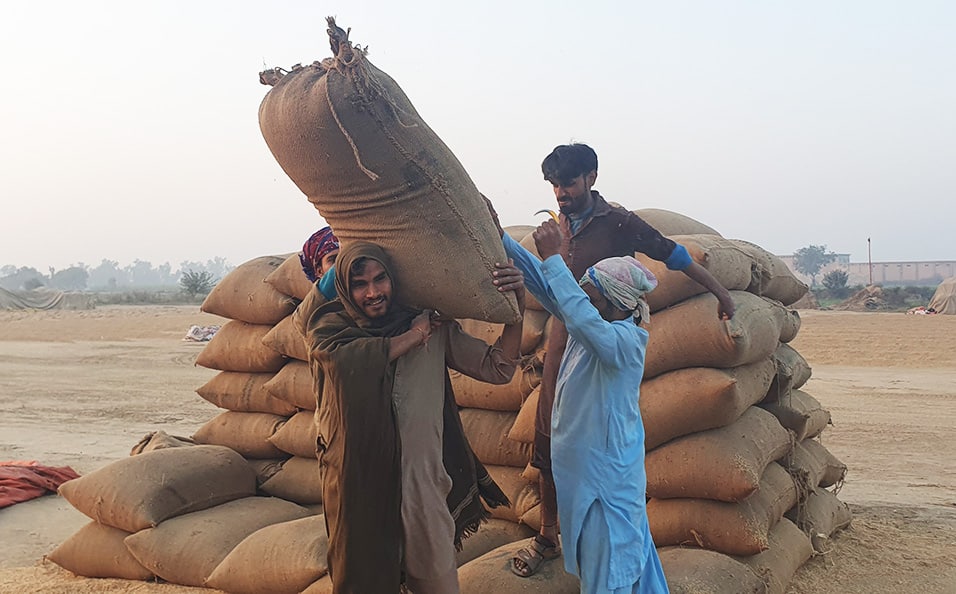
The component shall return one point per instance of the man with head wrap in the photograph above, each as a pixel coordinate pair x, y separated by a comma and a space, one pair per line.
401, 486
597, 436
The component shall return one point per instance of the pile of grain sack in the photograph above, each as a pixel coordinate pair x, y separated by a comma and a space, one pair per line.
737, 476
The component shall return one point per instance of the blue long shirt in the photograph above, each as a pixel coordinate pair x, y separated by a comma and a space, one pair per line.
597, 436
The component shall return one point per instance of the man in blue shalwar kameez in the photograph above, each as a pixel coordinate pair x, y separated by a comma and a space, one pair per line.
596, 431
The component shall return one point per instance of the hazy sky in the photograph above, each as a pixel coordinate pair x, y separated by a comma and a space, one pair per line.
130, 129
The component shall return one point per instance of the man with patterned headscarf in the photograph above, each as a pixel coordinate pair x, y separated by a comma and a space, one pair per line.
597, 436
318, 253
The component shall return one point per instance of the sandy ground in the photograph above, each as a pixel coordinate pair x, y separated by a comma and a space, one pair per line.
80, 388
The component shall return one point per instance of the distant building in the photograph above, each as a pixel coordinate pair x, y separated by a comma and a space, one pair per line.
884, 273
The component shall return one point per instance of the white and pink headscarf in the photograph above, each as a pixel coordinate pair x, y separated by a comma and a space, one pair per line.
623, 281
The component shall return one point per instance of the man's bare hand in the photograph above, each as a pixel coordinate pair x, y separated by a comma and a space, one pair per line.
548, 238
508, 278
725, 307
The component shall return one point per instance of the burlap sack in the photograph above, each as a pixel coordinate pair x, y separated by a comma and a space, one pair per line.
487, 432
531, 331
141, 491
691, 400
245, 432
724, 464
298, 480
522, 494
820, 516
159, 440
323, 585
523, 429
805, 466
265, 468
350, 139
491, 535
293, 383
672, 223
699, 571
731, 266
801, 413
289, 278
792, 372
285, 339
299, 436
472, 393
733, 528
187, 549
834, 471
690, 334
98, 551
277, 559
244, 295
244, 392
491, 573
237, 346
774, 278
789, 549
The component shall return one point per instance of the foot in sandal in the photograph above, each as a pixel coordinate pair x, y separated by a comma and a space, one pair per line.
527, 560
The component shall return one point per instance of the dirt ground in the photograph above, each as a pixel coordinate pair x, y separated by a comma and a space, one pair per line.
80, 388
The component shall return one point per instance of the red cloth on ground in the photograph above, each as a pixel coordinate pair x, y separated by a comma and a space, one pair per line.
22, 480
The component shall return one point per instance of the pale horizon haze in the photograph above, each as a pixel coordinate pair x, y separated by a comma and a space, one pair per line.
130, 129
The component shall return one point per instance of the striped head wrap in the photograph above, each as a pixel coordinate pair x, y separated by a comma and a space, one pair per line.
623, 281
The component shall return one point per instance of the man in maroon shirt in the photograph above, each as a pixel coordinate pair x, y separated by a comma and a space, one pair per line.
593, 230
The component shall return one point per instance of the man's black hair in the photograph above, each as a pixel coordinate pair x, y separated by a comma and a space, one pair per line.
568, 161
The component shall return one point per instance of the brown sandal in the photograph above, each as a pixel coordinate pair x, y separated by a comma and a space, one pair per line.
532, 556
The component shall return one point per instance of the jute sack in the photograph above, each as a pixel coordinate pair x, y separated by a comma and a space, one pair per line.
298, 480
699, 571
141, 491
285, 339
531, 331
265, 468
834, 471
789, 549
298, 436
801, 413
98, 551
244, 392
691, 400
244, 295
187, 549
792, 372
472, 393
774, 279
690, 334
731, 266
323, 585
293, 383
724, 464
351, 140
820, 516
672, 223
245, 432
159, 440
237, 346
487, 432
806, 467
491, 535
492, 573
522, 494
733, 528
523, 429
289, 278
277, 559
519, 232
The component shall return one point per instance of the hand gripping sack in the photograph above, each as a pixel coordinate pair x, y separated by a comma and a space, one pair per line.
350, 139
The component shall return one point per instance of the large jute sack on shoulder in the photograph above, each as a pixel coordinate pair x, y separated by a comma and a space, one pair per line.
285, 339
238, 346
691, 400
689, 334
733, 528
97, 550
297, 480
724, 463
491, 535
472, 393
522, 494
801, 413
187, 549
672, 223
244, 295
277, 559
531, 331
820, 516
730, 265
491, 573
289, 278
789, 549
245, 432
698, 571
298, 436
244, 392
351, 140
487, 433
523, 428
141, 491
792, 372
774, 278
294, 384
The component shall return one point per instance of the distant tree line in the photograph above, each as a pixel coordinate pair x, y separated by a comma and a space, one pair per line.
109, 276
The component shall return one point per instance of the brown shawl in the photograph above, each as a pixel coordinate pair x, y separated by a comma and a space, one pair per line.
361, 452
